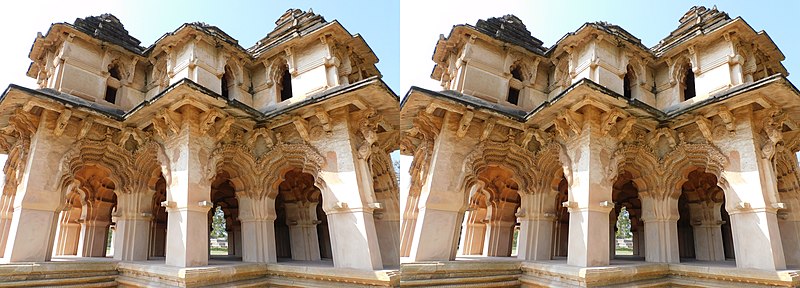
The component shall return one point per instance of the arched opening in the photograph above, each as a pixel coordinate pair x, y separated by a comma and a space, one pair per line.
688, 83
112, 84
704, 223
627, 228
158, 225
561, 227
85, 222
227, 81
627, 82
285, 89
224, 228
491, 219
514, 86
301, 226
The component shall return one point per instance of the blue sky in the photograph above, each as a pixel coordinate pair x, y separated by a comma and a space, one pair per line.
247, 21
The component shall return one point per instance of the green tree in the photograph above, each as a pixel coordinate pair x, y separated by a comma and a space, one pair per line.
623, 224
218, 224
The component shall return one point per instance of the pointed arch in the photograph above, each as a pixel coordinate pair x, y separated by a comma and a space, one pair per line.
283, 158
687, 157
240, 164
104, 153
504, 154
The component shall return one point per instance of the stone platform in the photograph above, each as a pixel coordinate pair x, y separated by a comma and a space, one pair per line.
509, 272
104, 272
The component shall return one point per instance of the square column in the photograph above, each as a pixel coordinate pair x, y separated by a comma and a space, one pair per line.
301, 217
132, 232
188, 194
789, 224
131, 237
660, 217
37, 199
498, 238
750, 184
408, 224
441, 205
346, 238
387, 226
68, 232
499, 229
535, 237
707, 228
257, 215
93, 238
6, 207
473, 233
536, 230
348, 196
590, 200
95, 220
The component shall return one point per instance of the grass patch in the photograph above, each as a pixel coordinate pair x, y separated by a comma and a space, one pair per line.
219, 251
623, 251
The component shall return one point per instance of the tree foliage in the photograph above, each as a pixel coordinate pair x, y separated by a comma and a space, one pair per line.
218, 224
623, 224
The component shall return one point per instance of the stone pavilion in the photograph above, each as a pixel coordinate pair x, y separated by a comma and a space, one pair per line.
695, 137
290, 138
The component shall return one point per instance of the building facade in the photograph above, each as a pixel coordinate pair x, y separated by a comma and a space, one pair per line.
290, 138
695, 138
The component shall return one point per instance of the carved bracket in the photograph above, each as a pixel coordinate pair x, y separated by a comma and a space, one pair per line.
61, 122
464, 123
487, 128
302, 127
324, 120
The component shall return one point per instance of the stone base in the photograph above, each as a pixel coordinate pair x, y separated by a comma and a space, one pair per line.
104, 272
239, 274
509, 272
503, 272
61, 274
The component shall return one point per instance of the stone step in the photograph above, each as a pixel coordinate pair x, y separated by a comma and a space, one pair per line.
91, 281
508, 280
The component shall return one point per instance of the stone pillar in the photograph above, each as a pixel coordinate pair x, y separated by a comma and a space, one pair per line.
789, 223
257, 215
473, 234
408, 223
132, 235
237, 241
638, 238
612, 235
94, 234
37, 198
499, 229
188, 192
440, 204
660, 217
68, 232
348, 196
750, 186
706, 224
6, 213
133, 218
590, 200
387, 226
536, 231
113, 230
301, 217
95, 219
